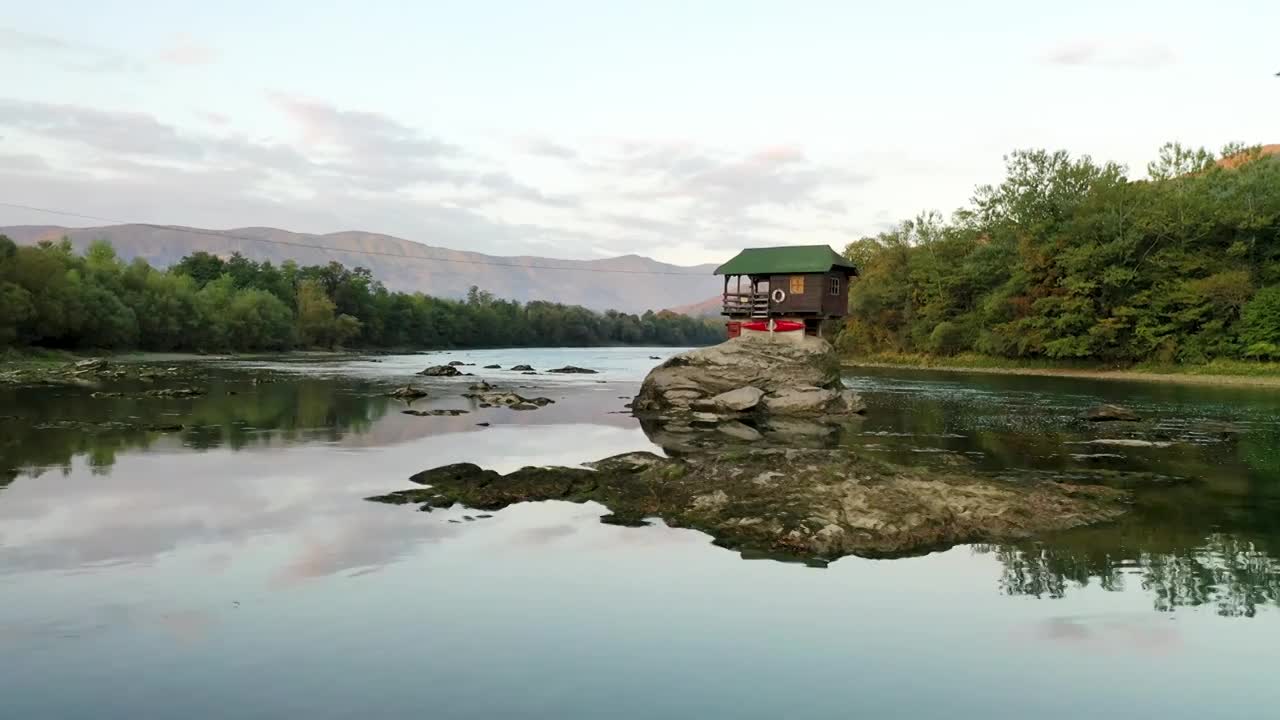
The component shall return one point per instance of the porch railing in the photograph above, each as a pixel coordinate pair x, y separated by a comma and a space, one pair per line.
746, 304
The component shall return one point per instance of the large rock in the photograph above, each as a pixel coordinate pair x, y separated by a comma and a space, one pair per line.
737, 363
441, 371
801, 401
740, 400
814, 505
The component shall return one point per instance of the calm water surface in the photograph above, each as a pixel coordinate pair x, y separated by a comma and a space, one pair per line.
232, 569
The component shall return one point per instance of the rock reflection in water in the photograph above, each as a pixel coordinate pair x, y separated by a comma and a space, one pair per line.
1204, 530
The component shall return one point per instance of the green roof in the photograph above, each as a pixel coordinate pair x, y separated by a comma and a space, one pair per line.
784, 260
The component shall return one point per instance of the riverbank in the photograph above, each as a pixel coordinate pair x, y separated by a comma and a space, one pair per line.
1217, 372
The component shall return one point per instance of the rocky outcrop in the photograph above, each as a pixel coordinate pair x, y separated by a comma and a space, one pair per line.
521, 368
740, 400
807, 504
441, 371
813, 401
573, 369
489, 397
749, 379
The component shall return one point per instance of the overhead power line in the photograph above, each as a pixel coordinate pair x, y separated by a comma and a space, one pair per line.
290, 243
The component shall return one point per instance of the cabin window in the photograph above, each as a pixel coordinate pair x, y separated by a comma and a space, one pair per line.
797, 284
833, 285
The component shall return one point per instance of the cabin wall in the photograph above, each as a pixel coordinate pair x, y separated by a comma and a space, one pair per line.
836, 305
807, 302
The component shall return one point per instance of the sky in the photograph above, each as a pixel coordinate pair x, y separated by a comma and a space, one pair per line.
681, 131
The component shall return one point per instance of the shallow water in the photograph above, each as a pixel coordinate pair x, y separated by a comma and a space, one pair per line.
232, 569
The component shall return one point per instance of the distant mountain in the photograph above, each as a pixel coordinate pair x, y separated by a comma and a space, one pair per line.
630, 283
710, 308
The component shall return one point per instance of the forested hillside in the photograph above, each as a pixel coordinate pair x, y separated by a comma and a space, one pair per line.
1068, 258
629, 283
52, 297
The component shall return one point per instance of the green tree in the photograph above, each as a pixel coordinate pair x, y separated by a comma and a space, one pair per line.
1260, 324
316, 320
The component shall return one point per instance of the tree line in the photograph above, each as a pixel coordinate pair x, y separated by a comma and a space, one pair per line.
1068, 258
52, 297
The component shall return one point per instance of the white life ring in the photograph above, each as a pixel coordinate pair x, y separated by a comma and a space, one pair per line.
778, 295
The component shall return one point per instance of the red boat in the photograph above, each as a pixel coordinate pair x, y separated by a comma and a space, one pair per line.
778, 326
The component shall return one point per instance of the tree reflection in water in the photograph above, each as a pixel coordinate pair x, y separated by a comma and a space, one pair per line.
51, 426
1210, 538
1232, 573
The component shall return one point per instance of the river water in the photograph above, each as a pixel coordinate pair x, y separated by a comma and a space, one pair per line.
232, 569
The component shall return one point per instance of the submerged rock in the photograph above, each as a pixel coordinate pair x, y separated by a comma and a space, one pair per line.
803, 504
522, 368
408, 392
508, 399
175, 392
1128, 442
1110, 413
92, 365
436, 412
492, 367
741, 431
441, 371
573, 369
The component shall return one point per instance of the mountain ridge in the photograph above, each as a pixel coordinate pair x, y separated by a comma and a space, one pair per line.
629, 283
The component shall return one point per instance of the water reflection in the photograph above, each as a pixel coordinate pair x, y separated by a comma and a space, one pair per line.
1227, 572
56, 425
1205, 530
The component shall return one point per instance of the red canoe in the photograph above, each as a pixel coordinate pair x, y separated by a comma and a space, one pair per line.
778, 326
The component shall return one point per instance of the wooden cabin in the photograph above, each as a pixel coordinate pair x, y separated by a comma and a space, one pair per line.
792, 284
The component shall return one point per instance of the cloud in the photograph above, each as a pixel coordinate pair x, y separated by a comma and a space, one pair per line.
15, 40
114, 131
730, 183
545, 147
69, 56
352, 169
364, 134
1113, 53
23, 162
186, 50
502, 184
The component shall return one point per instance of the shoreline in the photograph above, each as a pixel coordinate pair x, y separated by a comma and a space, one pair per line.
1271, 381
37, 356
